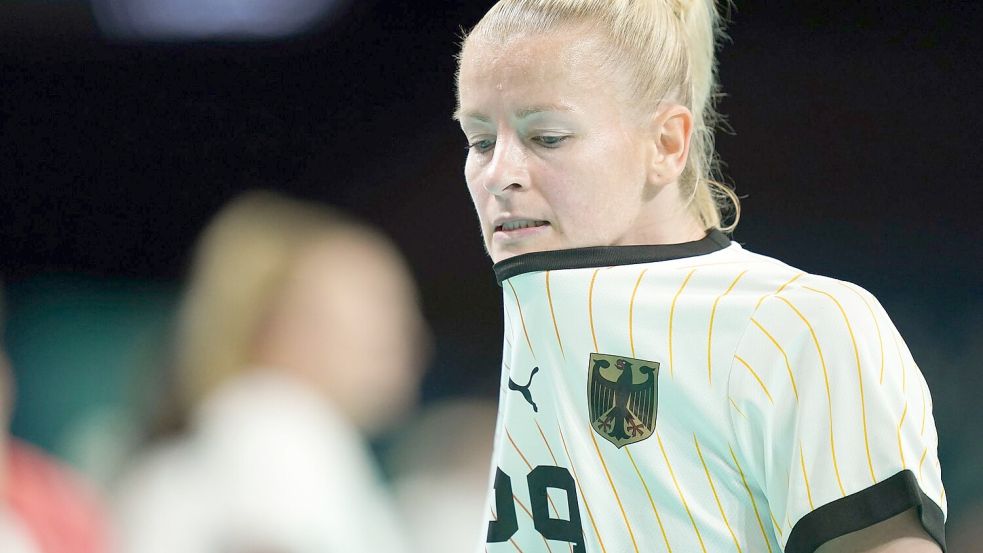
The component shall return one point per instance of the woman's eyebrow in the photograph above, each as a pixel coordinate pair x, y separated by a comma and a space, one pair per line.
459, 116
533, 110
521, 114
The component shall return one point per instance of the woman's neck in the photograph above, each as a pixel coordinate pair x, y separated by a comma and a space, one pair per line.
665, 218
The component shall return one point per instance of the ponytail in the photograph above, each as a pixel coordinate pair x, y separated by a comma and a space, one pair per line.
701, 31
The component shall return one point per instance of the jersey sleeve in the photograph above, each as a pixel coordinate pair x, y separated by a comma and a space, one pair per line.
833, 416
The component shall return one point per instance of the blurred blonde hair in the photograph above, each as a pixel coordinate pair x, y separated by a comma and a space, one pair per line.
242, 261
666, 48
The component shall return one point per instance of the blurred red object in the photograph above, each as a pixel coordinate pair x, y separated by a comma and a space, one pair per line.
57, 508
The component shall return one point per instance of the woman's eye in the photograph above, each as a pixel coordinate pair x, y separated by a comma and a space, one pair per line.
481, 146
550, 141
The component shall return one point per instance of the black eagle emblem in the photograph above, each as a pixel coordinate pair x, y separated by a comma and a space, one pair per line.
623, 398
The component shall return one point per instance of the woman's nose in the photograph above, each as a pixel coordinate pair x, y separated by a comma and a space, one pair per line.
507, 170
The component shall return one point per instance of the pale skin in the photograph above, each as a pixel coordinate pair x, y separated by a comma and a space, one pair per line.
558, 159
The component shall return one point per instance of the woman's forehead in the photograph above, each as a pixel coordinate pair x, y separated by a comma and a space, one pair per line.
527, 60
534, 53
533, 70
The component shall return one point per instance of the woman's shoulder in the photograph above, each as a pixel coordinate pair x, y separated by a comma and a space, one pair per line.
797, 300
816, 307
793, 281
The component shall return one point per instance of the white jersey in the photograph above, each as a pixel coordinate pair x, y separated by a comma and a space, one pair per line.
699, 397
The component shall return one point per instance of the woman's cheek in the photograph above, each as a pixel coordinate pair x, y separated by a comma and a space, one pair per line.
477, 192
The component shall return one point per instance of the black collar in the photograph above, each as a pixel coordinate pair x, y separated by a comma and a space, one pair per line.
606, 256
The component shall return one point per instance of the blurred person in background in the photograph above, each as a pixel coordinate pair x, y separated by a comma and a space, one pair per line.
44, 507
439, 466
299, 336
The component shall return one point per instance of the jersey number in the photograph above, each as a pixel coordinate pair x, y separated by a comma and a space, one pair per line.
539, 480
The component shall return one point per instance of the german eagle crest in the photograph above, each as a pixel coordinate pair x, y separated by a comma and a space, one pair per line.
623, 395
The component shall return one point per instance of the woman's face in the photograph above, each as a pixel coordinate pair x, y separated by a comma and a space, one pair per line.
553, 161
348, 320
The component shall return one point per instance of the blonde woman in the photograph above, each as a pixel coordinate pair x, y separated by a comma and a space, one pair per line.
299, 335
663, 388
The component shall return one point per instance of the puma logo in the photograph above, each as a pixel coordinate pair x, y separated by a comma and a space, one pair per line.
524, 390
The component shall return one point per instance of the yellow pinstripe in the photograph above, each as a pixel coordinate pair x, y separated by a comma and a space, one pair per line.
651, 501
922, 431
529, 465
788, 366
756, 377
617, 497
778, 527
528, 512
829, 398
555, 463
511, 540
716, 498
778, 291
590, 307
672, 312
517, 450
522, 320
508, 319
877, 326
736, 407
713, 313
921, 462
860, 379
679, 490
904, 368
754, 504
556, 327
805, 477
583, 496
545, 441
938, 466
631, 313
904, 373
904, 413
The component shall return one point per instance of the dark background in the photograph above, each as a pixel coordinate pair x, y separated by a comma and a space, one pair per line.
855, 143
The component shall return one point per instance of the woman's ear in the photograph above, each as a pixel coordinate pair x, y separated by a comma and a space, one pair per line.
670, 132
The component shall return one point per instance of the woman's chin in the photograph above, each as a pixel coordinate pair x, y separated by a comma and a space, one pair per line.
499, 253
506, 244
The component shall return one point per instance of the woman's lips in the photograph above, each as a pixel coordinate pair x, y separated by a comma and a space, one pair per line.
518, 230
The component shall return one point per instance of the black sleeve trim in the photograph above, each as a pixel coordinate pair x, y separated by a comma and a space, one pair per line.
865, 508
603, 256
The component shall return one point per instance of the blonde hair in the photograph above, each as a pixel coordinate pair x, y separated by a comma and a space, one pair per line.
666, 48
241, 264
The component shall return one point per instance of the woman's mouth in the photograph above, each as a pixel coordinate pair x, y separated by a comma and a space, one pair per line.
519, 224
519, 228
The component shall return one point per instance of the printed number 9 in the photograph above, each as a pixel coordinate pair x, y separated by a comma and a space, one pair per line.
539, 480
